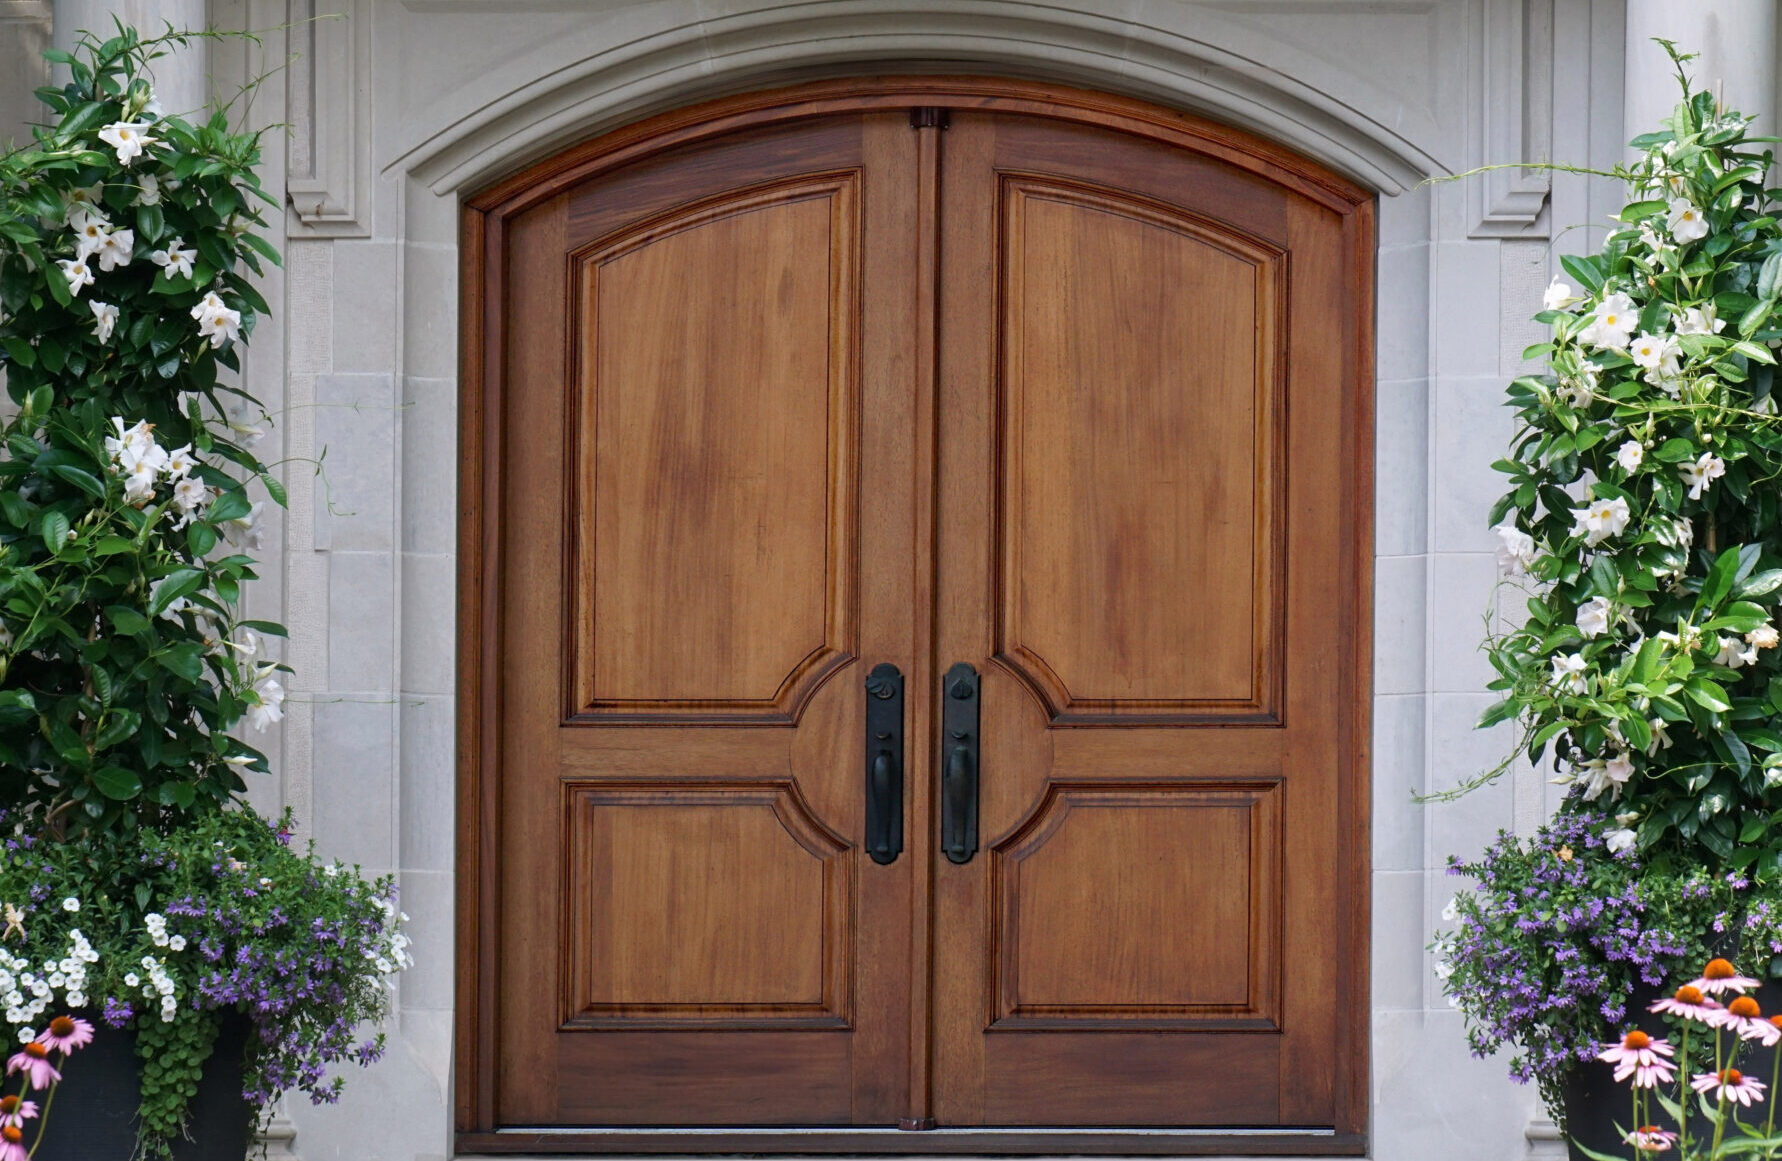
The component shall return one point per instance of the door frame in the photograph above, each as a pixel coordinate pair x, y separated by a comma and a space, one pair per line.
481, 240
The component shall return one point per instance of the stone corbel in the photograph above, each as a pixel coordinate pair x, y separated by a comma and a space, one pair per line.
328, 153
1514, 63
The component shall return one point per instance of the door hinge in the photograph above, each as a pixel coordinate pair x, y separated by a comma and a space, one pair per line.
928, 117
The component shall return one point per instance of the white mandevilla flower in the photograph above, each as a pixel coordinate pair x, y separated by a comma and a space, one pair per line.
1606, 775
1652, 351
1451, 911
1763, 637
105, 318
216, 321
148, 190
128, 138
189, 495
1661, 736
82, 202
1618, 840
1593, 617
1599, 520
1611, 323
1732, 656
1558, 296
1685, 222
1701, 320
116, 248
1630, 455
1568, 673
89, 235
1700, 475
269, 698
71, 904
78, 273
245, 531
176, 261
1515, 548
180, 462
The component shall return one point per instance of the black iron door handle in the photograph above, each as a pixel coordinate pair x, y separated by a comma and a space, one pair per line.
884, 763
959, 770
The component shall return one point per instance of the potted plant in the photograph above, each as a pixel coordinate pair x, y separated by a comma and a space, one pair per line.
168, 963
1643, 530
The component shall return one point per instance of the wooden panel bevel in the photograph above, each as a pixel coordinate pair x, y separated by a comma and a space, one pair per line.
1264, 706
578, 1013
841, 191
1261, 1009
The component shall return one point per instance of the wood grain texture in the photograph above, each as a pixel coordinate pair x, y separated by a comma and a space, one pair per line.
703, 903
1138, 211
1184, 885
718, 457
1138, 566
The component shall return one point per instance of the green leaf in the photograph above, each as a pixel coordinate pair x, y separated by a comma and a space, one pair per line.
1675, 451
231, 505
1720, 579
1585, 270
178, 583
200, 538
1707, 695
277, 490
55, 531
117, 783
84, 480
1763, 584
185, 659
129, 622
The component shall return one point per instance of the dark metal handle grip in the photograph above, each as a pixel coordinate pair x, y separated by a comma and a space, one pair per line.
959, 777
884, 764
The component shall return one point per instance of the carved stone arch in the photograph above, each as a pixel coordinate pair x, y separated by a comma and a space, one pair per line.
736, 53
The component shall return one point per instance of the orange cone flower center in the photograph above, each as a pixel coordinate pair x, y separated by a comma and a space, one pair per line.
1718, 969
8, 1103
37, 1051
1744, 1006
61, 1026
13, 1134
1689, 994
1732, 1076
1636, 1039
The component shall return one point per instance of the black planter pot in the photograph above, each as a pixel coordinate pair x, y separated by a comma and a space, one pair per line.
94, 1115
1595, 1104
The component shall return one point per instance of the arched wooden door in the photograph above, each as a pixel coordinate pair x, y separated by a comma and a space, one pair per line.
915, 659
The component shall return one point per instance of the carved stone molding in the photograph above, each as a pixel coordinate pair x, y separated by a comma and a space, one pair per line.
1514, 70
328, 152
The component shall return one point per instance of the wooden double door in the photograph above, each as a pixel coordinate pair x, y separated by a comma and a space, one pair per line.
914, 597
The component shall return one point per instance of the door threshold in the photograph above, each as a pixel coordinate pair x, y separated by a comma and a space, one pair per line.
882, 1142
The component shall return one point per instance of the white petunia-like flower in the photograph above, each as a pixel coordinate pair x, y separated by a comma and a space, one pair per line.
116, 249
1558, 296
1599, 520
78, 273
269, 698
1701, 320
1611, 323
148, 190
1630, 455
1593, 617
71, 904
176, 260
105, 318
1515, 548
1685, 222
216, 321
1568, 673
1451, 911
1618, 840
128, 138
1700, 475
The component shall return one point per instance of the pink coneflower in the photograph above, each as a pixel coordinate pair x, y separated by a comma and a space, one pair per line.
33, 1061
1641, 1057
1690, 1004
16, 1110
1651, 1139
12, 1144
1745, 1018
1730, 1085
66, 1033
1720, 976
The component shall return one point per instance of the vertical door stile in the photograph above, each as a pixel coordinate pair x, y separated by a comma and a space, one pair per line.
928, 124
